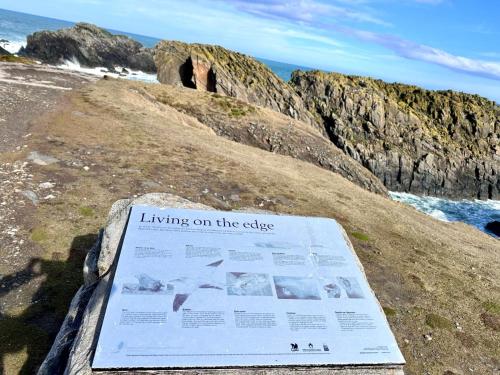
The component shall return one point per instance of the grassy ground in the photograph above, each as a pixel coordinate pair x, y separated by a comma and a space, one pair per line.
16, 59
434, 279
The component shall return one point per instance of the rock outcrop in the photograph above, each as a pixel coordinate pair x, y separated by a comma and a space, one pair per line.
4, 52
493, 227
91, 46
439, 143
216, 69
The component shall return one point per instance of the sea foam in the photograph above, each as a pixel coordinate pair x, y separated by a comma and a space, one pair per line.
12, 46
474, 212
133, 75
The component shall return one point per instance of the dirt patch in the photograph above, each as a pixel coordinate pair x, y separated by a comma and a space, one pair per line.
28, 91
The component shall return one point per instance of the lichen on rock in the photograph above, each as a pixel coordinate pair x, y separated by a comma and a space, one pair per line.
440, 143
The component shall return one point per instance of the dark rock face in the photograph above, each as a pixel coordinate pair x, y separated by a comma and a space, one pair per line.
493, 227
216, 69
413, 140
4, 52
91, 46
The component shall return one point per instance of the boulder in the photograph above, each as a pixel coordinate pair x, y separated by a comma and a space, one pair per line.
493, 227
216, 69
91, 46
439, 143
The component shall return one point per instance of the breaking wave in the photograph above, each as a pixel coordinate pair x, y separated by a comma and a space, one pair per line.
134, 75
474, 212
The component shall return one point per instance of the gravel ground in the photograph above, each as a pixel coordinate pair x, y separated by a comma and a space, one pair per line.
26, 91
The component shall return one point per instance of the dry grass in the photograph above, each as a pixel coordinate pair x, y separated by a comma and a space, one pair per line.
133, 144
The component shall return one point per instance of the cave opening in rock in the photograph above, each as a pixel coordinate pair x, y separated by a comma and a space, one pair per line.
186, 74
211, 81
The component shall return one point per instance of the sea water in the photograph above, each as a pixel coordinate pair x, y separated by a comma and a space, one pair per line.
474, 212
15, 27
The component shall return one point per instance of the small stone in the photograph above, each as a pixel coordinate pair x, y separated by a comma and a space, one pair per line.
428, 337
41, 159
235, 197
47, 185
86, 168
31, 195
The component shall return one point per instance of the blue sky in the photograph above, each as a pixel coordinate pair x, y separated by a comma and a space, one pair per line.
438, 44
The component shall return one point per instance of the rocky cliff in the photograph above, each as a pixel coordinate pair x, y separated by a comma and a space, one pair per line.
91, 46
439, 143
216, 69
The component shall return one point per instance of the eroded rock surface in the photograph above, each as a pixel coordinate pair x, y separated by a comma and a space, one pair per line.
440, 143
91, 46
216, 69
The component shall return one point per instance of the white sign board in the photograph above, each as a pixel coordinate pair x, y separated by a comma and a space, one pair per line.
214, 289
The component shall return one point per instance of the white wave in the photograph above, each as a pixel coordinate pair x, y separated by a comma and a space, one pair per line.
133, 75
474, 212
12, 46
437, 214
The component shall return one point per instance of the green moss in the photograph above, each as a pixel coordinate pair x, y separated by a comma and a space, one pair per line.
360, 236
39, 235
16, 59
237, 112
437, 321
233, 107
389, 311
492, 307
86, 211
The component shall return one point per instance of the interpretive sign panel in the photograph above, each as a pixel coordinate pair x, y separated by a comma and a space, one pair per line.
215, 289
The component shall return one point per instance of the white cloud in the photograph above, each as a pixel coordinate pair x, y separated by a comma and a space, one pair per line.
411, 50
291, 33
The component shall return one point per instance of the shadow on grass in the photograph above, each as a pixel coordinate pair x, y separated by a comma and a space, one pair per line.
36, 327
